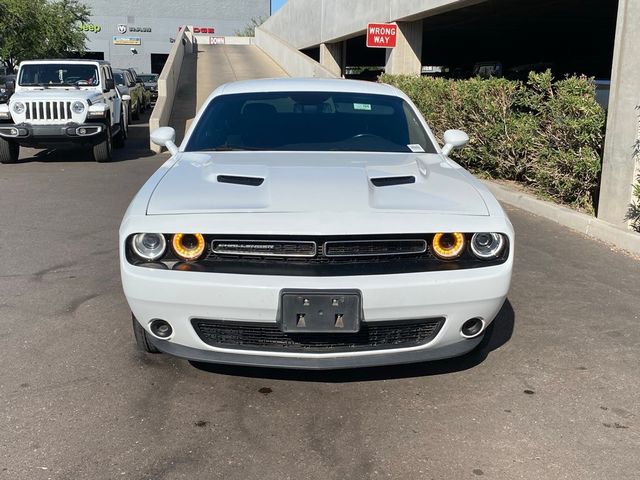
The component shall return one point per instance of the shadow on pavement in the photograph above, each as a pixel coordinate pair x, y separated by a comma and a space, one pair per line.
498, 334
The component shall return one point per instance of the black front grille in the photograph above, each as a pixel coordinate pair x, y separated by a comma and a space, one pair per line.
269, 337
372, 248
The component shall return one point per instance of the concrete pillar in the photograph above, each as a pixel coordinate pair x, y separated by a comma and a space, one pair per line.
331, 57
406, 57
623, 125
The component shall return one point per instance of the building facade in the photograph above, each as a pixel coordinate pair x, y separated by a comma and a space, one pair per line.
139, 33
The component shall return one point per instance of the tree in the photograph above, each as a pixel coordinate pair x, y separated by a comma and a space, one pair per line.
33, 29
250, 29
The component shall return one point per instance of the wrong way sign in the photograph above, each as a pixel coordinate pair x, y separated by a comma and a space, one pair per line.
381, 35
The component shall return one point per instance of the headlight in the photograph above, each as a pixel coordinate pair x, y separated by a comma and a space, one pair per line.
487, 245
149, 246
448, 246
77, 107
18, 108
188, 246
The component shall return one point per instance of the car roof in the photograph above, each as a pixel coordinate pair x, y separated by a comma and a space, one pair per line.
309, 85
66, 60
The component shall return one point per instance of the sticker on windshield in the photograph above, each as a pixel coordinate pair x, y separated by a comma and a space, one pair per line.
416, 148
362, 106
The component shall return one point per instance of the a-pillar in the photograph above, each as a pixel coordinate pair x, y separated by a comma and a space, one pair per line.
406, 57
331, 57
623, 123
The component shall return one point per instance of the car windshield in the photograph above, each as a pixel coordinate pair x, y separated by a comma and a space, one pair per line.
119, 78
310, 121
148, 78
59, 75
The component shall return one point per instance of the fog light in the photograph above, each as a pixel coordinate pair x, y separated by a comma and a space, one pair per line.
82, 131
161, 328
472, 328
14, 132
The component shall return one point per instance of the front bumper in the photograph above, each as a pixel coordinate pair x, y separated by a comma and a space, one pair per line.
52, 135
178, 297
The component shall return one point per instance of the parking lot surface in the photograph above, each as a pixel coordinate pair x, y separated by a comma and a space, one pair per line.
552, 395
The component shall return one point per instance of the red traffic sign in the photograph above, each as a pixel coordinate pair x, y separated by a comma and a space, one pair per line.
381, 35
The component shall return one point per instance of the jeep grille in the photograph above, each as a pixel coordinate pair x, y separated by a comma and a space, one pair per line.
48, 111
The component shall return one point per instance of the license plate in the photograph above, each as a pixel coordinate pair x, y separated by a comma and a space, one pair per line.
332, 311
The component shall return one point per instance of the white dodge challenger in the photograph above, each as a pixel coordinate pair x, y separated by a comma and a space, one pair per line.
307, 223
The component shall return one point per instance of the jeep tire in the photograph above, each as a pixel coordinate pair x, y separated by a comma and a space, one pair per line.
121, 136
103, 151
9, 151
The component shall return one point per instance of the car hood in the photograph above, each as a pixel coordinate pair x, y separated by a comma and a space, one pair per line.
56, 94
270, 182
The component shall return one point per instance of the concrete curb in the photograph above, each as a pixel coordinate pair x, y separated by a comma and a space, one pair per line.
567, 217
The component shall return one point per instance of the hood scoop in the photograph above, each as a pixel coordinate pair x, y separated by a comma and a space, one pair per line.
390, 181
241, 180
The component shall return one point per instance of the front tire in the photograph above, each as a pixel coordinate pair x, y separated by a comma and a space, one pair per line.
9, 151
142, 338
121, 136
103, 151
136, 112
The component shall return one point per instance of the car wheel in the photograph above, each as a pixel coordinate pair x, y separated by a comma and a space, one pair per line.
103, 151
9, 151
136, 112
142, 338
121, 136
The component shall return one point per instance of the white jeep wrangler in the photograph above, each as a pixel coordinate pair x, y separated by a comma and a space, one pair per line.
61, 103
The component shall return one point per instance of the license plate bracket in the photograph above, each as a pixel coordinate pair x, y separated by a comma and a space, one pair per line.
320, 311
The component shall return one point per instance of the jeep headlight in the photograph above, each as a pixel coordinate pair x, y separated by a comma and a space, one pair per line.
18, 108
77, 107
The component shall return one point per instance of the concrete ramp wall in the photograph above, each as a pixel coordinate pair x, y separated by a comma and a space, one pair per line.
294, 62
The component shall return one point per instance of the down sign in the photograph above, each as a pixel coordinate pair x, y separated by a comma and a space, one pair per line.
381, 35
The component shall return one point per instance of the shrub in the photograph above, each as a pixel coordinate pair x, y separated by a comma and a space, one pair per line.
544, 134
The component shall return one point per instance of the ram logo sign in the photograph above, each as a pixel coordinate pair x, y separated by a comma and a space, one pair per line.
122, 29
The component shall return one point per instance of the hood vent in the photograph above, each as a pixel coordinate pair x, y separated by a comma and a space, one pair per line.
390, 181
238, 180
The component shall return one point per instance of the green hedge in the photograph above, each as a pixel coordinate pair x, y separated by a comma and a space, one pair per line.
545, 134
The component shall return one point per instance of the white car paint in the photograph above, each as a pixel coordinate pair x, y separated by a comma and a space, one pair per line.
313, 193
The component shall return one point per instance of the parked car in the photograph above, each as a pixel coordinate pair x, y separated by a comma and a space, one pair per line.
146, 95
63, 103
7, 87
127, 86
150, 81
313, 223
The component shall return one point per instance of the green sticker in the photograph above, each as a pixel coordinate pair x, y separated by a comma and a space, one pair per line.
362, 106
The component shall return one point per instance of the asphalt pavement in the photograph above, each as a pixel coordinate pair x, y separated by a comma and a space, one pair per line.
553, 395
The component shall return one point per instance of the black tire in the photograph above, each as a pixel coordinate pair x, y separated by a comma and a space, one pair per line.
9, 151
121, 136
142, 338
136, 112
103, 151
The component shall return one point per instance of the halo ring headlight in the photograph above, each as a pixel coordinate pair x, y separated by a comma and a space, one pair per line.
487, 245
18, 108
188, 246
448, 246
77, 107
149, 246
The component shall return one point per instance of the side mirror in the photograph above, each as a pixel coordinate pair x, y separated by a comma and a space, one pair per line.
126, 98
109, 84
165, 137
454, 139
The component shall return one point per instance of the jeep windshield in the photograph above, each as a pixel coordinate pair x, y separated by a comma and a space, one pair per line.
58, 75
309, 121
